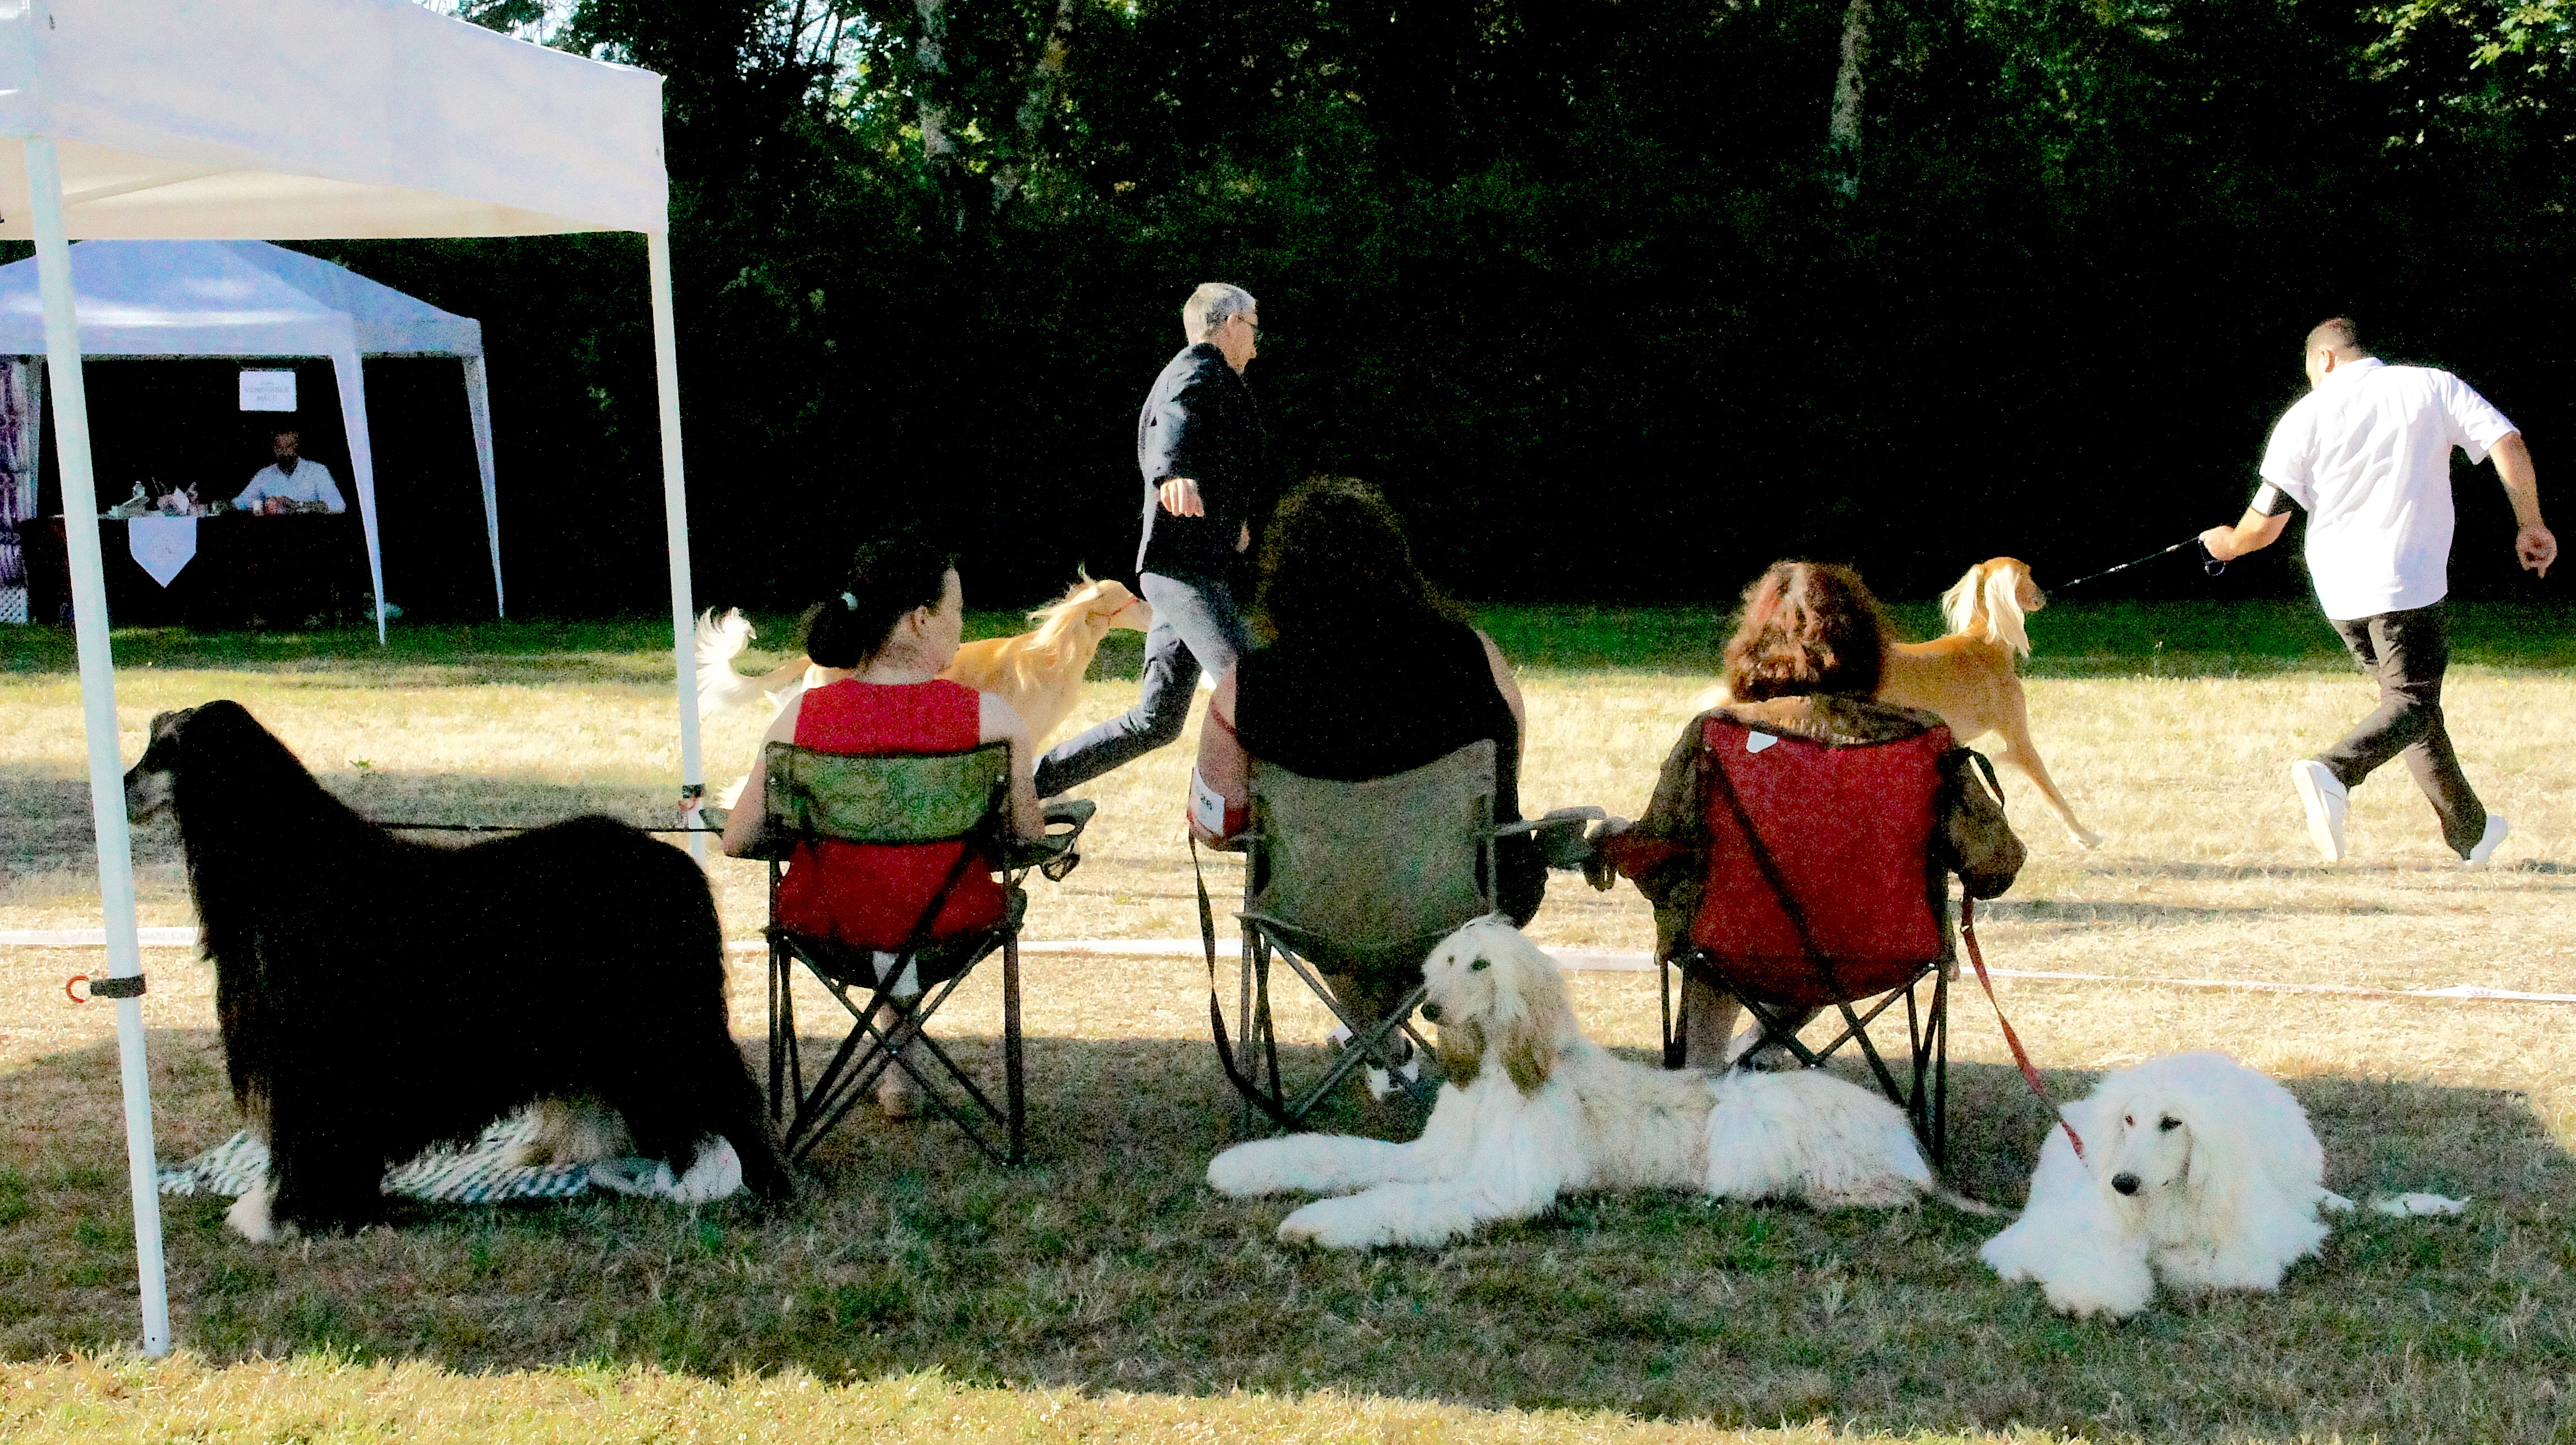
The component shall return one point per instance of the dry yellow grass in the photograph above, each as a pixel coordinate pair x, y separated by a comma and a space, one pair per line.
324, 1402
2205, 874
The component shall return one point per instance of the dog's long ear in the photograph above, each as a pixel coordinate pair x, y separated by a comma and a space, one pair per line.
1530, 1007
1959, 604
2215, 1171
166, 724
1529, 1055
2003, 608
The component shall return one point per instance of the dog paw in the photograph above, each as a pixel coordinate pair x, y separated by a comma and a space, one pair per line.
249, 1216
1340, 1223
2085, 837
1244, 1171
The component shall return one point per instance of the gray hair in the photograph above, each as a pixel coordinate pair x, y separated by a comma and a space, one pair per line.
1211, 306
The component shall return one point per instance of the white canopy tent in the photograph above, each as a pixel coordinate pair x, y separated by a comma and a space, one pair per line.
249, 298
287, 119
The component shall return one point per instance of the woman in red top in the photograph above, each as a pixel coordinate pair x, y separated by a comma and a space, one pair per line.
880, 645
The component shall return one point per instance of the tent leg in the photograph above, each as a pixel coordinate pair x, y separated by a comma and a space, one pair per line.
98, 715
478, 409
362, 465
675, 523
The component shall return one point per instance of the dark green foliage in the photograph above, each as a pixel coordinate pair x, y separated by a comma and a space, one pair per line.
1574, 282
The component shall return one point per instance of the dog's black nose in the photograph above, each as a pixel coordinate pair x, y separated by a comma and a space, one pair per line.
2125, 1183
1431, 1011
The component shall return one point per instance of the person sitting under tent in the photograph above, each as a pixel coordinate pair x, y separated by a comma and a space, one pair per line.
291, 484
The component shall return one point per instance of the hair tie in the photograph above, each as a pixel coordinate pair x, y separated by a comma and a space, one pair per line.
849, 602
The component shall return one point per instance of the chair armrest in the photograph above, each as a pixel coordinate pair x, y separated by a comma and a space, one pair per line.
1561, 835
1054, 855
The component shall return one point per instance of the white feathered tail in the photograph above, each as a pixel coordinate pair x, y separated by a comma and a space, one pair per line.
721, 689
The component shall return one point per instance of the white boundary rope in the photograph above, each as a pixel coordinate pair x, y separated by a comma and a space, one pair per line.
1580, 960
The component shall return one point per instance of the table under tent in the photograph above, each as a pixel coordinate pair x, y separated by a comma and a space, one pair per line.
171, 299
296, 119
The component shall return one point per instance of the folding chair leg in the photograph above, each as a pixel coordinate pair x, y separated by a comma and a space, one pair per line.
1940, 1140
782, 1031
1255, 959
1014, 1086
1676, 1047
1859, 1033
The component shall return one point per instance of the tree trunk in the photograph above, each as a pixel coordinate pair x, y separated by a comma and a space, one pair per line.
940, 153
1046, 78
1842, 137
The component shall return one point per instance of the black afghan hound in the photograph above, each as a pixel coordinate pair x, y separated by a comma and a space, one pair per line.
378, 996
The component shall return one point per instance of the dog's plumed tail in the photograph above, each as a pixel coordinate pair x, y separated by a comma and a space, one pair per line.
721, 689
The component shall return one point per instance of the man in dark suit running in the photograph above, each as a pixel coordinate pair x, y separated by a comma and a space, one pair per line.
1198, 447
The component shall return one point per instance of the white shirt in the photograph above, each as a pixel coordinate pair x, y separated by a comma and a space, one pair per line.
311, 483
2367, 454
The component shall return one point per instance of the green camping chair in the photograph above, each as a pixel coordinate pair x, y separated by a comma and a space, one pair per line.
1363, 880
910, 798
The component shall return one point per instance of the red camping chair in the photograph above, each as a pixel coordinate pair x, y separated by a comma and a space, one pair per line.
1820, 892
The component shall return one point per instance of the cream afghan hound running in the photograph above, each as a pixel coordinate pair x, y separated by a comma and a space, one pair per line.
1532, 1109
2195, 1168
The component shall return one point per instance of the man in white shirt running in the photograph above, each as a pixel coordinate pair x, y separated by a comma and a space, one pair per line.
2367, 455
291, 484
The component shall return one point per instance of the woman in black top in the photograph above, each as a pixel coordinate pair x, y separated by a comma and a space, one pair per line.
1363, 672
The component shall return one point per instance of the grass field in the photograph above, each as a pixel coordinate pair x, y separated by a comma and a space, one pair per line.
1103, 1292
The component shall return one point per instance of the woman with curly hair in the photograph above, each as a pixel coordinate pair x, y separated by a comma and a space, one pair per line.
1363, 671
1804, 662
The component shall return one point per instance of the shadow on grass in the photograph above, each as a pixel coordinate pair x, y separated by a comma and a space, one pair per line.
1107, 1264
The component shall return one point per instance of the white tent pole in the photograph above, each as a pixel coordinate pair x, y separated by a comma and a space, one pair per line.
362, 466
98, 715
478, 406
675, 517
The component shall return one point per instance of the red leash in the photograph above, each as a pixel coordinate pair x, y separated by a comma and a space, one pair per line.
1968, 931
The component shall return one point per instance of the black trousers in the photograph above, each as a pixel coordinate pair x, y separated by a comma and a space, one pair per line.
2406, 653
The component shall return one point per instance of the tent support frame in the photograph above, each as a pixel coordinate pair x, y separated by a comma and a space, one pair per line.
675, 523
98, 717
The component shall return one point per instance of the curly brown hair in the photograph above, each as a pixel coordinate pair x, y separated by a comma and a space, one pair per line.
1333, 559
1807, 627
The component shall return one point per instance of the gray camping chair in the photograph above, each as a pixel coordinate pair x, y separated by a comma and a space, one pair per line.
902, 798
1361, 879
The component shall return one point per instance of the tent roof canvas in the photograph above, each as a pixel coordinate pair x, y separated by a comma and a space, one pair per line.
301, 119
227, 298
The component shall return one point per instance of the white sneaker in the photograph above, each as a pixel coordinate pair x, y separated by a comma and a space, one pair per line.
2325, 799
2496, 830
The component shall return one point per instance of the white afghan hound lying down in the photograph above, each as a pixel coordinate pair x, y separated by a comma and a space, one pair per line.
1532, 1109
2194, 1165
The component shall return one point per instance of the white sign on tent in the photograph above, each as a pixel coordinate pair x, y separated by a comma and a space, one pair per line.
267, 391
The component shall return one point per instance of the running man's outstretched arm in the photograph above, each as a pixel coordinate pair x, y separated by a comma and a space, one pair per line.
2534, 544
2252, 533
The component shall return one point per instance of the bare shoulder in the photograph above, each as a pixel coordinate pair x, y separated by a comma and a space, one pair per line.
782, 728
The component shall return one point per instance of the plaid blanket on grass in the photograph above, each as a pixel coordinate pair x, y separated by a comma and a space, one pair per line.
484, 1172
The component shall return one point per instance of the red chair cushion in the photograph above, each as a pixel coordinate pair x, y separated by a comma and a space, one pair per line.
1849, 830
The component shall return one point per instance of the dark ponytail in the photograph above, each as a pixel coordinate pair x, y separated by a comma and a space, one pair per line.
888, 579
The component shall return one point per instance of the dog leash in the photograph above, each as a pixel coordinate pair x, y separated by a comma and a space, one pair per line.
2210, 565
2021, 1057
